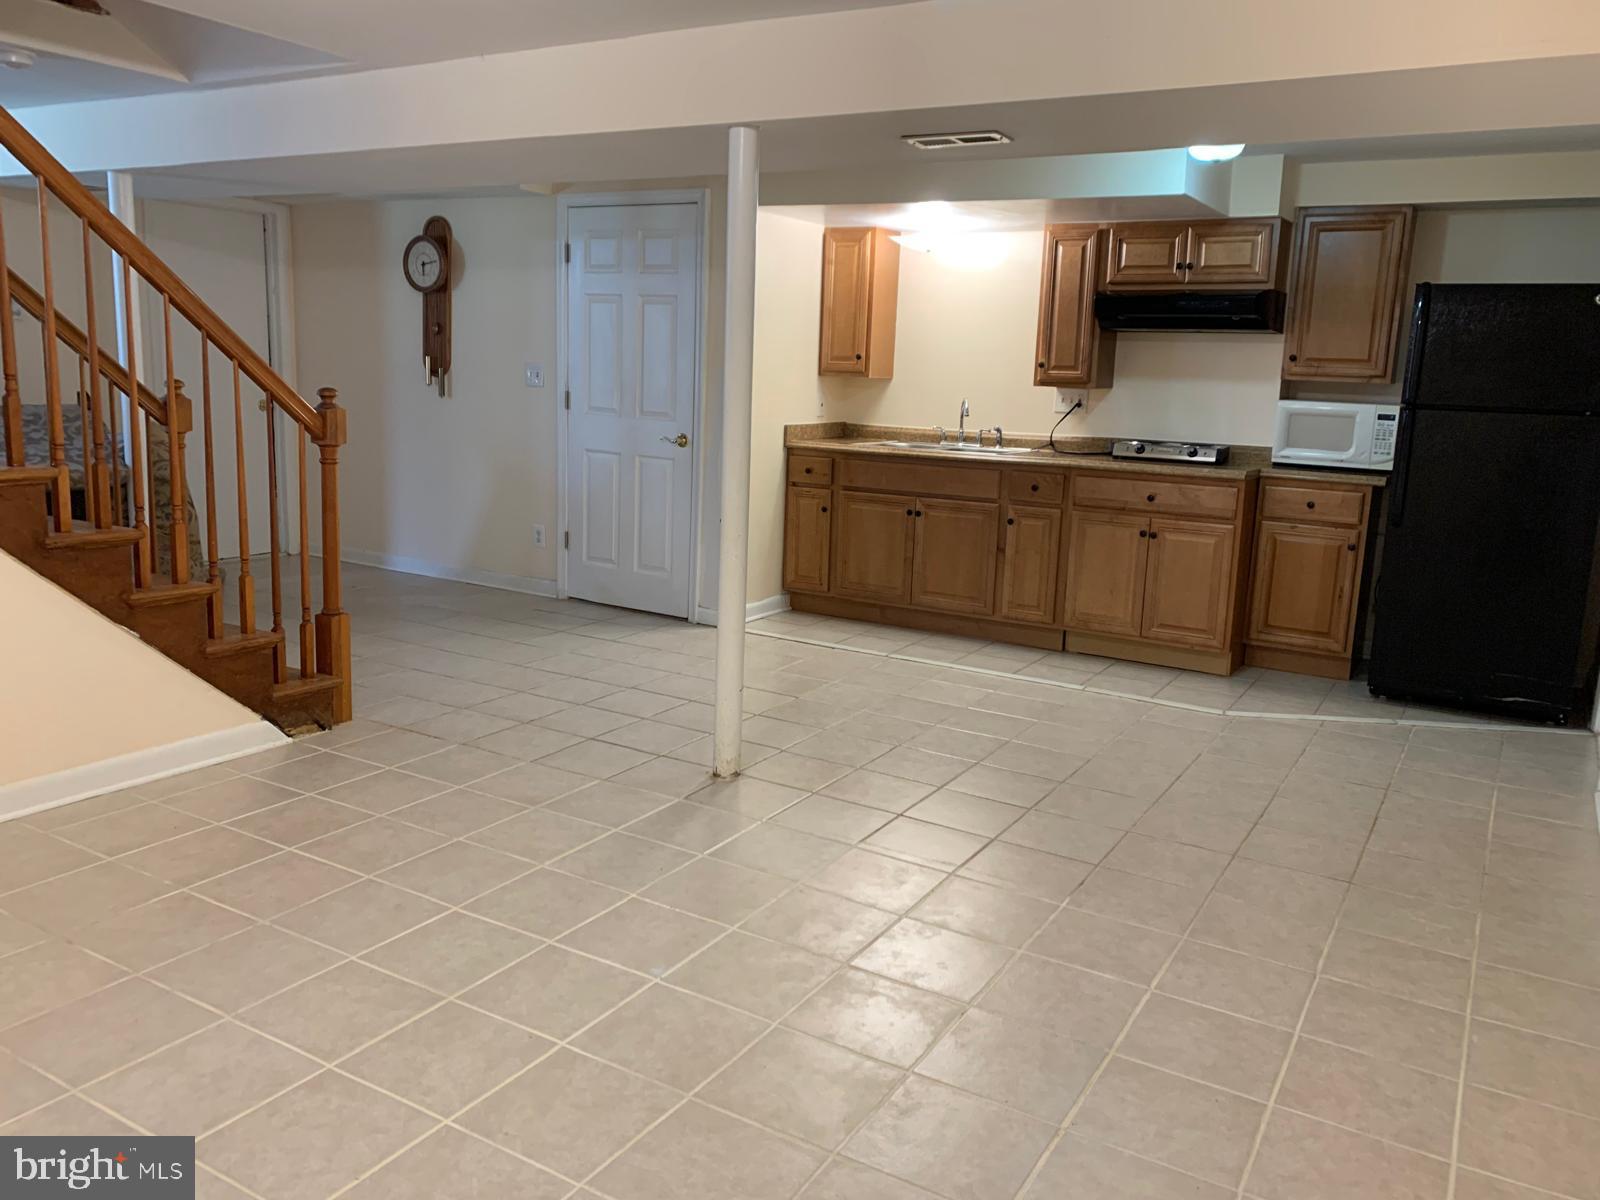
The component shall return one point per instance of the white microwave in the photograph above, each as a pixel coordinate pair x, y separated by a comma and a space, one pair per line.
1333, 433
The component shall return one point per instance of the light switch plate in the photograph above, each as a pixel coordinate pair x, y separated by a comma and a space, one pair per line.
1067, 397
538, 535
533, 375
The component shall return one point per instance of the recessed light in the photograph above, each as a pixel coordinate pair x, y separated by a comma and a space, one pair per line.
17, 60
1216, 153
950, 141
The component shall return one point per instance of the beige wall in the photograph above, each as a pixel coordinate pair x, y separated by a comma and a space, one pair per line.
79, 689
968, 331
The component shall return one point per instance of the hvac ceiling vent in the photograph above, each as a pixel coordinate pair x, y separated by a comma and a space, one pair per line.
949, 141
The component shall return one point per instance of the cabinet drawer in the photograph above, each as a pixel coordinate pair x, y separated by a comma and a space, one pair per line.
810, 469
1323, 505
1156, 494
1036, 487
919, 479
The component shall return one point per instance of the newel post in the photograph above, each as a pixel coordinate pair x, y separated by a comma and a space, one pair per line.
333, 623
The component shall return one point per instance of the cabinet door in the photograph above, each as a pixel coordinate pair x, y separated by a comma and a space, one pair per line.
1072, 350
846, 295
1147, 254
1028, 572
1106, 554
806, 539
1238, 254
1304, 587
1189, 582
1345, 293
953, 564
872, 560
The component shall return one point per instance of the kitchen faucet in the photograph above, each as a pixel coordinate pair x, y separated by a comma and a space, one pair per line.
961, 431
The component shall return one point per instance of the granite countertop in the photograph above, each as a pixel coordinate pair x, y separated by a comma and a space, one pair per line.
1244, 462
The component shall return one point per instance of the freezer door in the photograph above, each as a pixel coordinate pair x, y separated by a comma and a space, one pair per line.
1524, 347
1486, 592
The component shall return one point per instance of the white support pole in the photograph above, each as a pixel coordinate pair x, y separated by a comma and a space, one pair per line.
738, 350
119, 192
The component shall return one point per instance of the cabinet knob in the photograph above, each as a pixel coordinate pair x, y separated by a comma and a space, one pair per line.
858, 358
1033, 487
808, 470
1153, 535
1011, 520
1041, 366
1351, 546
824, 508
1144, 533
919, 512
1294, 358
911, 512
1151, 497
1311, 503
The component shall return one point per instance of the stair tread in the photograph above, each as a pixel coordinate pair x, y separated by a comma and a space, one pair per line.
84, 534
22, 475
171, 593
304, 687
234, 642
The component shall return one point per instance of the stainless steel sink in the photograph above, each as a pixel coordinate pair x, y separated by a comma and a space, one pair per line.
956, 448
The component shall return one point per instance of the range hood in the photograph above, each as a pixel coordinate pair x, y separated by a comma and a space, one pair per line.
1203, 312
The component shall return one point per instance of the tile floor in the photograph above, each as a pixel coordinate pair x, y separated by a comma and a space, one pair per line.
954, 934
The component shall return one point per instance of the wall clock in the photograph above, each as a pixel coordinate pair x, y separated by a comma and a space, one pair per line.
426, 263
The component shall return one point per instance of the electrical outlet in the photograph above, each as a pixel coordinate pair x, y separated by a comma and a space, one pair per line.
533, 375
1067, 397
538, 535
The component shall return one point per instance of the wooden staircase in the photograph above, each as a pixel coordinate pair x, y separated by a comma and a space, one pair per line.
107, 558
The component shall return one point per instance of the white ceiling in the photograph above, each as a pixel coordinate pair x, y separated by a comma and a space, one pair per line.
148, 46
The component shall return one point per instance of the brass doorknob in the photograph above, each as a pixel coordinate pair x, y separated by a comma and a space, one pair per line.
680, 441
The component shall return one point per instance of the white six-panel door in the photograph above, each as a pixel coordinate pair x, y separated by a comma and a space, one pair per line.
633, 303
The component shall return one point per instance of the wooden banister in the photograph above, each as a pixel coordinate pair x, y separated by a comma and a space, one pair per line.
56, 179
77, 341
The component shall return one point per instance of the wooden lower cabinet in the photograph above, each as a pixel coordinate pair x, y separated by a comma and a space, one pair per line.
954, 554
807, 540
1106, 560
872, 560
1028, 570
1188, 585
1303, 593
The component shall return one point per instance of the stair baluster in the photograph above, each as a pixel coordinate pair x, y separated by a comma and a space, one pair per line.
281, 662
308, 651
247, 587
175, 463
96, 479
85, 428
212, 571
61, 492
11, 413
136, 440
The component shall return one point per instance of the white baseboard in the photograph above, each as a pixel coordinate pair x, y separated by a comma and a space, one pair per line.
126, 770
418, 566
753, 611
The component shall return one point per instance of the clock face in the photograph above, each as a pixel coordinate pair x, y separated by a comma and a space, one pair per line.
424, 264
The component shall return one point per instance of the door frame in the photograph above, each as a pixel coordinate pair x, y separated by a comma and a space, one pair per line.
565, 203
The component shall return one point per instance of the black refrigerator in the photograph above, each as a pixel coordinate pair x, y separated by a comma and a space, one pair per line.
1488, 596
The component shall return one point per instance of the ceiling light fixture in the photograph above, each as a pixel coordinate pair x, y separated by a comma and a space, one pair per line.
950, 141
17, 60
1210, 154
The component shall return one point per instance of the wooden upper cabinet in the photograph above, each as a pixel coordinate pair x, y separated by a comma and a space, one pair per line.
873, 556
1303, 592
1234, 255
1237, 254
1189, 583
860, 295
1028, 570
807, 530
1346, 293
1106, 555
1072, 350
953, 561
1147, 254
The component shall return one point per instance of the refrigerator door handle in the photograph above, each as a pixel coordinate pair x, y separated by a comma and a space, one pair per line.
1419, 324
1402, 469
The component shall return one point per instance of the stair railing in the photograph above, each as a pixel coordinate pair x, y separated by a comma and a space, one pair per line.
325, 641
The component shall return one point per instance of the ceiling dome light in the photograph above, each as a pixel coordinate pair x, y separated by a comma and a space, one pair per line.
17, 60
1216, 153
